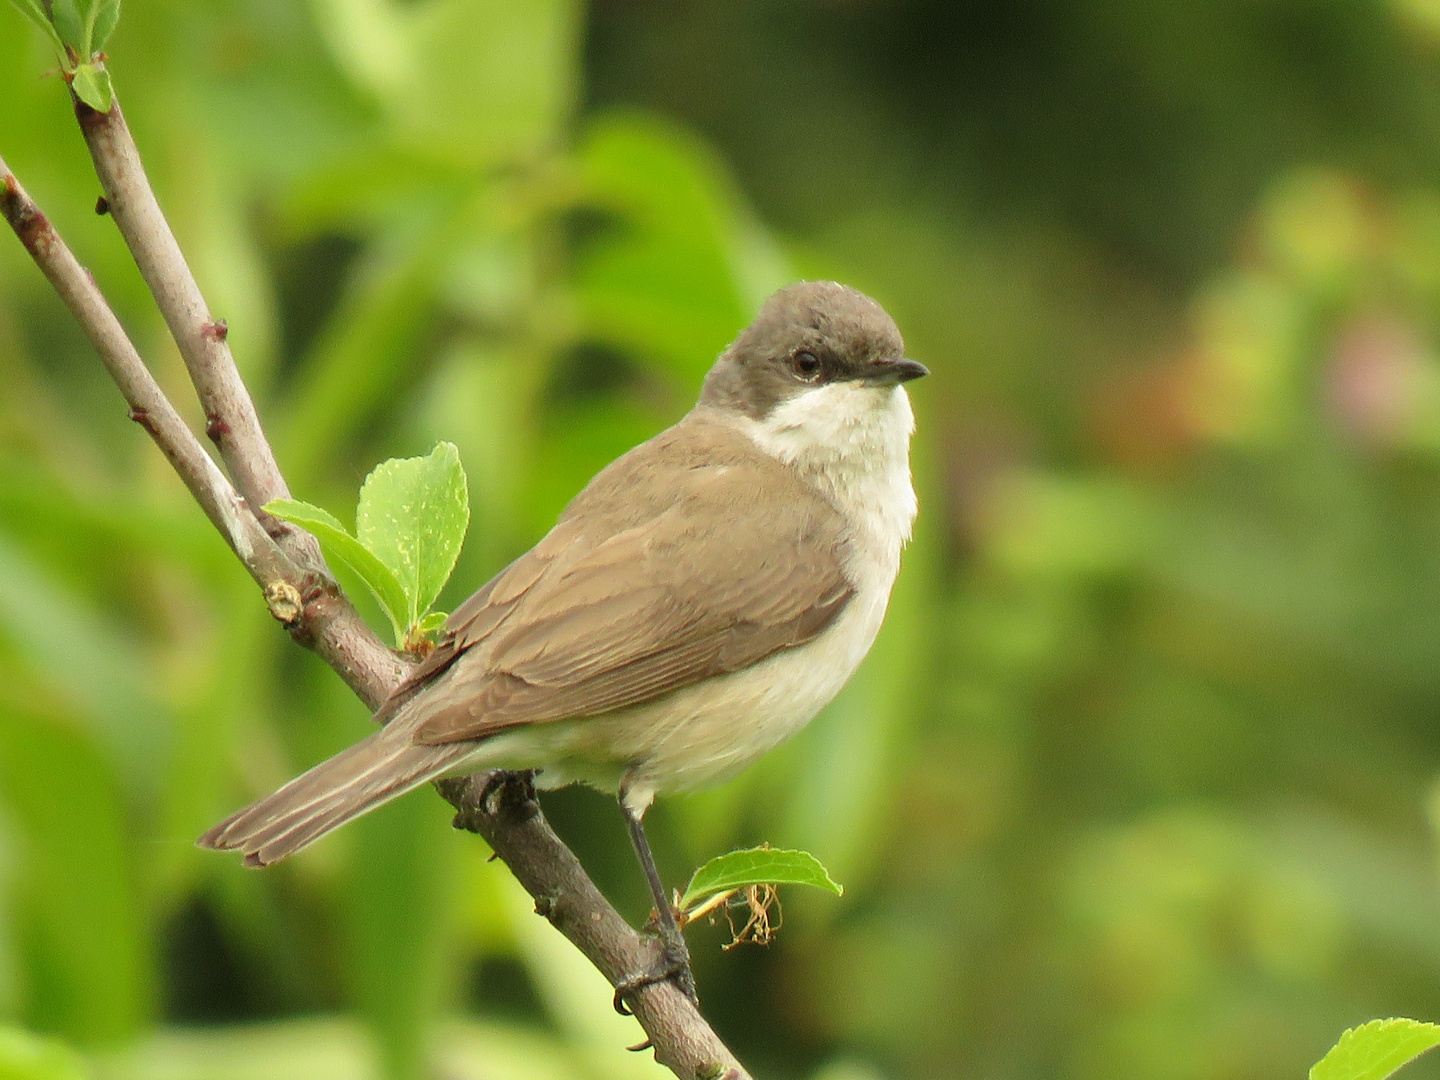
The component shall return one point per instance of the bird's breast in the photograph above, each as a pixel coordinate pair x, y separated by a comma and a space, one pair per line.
708, 732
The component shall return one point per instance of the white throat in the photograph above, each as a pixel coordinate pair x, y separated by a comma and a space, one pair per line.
852, 442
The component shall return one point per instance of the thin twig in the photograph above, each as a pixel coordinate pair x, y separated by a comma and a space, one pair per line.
231, 421
148, 405
305, 601
308, 602
329, 623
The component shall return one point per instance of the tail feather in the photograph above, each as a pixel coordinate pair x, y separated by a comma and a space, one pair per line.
339, 789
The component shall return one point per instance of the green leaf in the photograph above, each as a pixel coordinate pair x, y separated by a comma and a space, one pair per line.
88, 10
758, 866
66, 16
395, 930
343, 548
413, 514
107, 15
35, 12
91, 84
24, 1056
664, 285
1376, 1050
111, 696
425, 629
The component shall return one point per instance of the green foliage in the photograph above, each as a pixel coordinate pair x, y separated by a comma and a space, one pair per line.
91, 83
332, 1048
342, 548
88, 947
396, 929
1376, 1050
413, 514
409, 527
684, 266
79, 29
85, 25
73, 25
103, 16
757, 866
1130, 783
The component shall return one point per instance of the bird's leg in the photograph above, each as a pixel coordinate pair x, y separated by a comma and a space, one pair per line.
676, 962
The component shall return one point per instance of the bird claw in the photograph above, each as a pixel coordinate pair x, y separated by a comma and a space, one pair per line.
673, 966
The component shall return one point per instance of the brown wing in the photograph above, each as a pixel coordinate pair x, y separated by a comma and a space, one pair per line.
633, 596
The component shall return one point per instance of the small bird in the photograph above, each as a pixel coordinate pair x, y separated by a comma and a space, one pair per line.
698, 602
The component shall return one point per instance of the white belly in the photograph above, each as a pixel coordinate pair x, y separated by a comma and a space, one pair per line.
704, 733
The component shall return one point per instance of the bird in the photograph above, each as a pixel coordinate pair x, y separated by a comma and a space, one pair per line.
698, 602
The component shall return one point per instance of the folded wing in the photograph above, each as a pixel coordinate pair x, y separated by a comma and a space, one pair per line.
631, 599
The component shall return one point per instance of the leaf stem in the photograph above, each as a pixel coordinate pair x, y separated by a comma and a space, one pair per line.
709, 905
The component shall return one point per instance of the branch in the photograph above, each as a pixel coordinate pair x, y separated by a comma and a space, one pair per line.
309, 605
148, 405
231, 421
501, 807
286, 563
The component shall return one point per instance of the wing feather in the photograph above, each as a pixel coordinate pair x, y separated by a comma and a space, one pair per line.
621, 604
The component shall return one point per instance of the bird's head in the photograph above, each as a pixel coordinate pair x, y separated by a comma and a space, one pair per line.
817, 378
816, 340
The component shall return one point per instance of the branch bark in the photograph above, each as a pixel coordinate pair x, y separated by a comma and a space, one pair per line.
148, 405
286, 563
231, 421
501, 807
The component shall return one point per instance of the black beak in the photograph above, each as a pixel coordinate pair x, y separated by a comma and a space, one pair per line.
890, 372
909, 369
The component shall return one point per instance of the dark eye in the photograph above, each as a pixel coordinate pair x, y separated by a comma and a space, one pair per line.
806, 366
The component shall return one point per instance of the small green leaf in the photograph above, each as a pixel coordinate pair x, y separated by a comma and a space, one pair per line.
88, 9
1376, 1050
757, 866
24, 1056
66, 16
432, 623
35, 12
343, 548
107, 15
91, 84
412, 516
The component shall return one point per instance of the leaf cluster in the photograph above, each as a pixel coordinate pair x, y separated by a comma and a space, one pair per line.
78, 31
409, 527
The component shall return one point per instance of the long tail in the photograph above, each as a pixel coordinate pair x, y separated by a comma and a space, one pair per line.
339, 789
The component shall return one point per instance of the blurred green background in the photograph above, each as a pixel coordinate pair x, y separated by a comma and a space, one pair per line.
1140, 779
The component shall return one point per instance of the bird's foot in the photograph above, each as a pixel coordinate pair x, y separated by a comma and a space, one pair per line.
487, 793
673, 966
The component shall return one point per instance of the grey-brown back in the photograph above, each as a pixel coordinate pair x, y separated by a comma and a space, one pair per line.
693, 555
